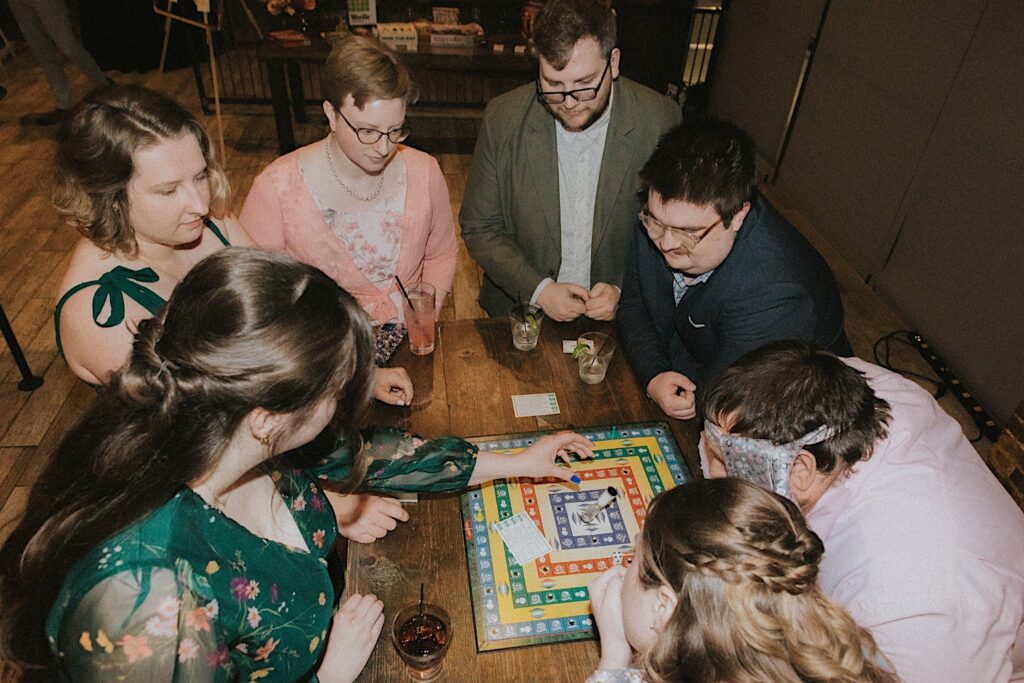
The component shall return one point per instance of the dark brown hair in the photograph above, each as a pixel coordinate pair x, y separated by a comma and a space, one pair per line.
743, 564
706, 162
94, 164
563, 23
367, 70
244, 329
786, 389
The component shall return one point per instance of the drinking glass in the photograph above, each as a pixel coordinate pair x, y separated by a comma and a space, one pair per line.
594, 359
422, 639
420, 318
525, 320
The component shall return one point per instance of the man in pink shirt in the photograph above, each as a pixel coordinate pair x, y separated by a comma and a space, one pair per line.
922, 544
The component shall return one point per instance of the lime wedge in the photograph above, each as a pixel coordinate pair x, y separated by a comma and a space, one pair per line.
532, 322
580, 348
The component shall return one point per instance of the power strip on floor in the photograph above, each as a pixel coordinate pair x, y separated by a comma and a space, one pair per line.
985, 423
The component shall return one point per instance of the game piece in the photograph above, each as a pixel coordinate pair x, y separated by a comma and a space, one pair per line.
546, 600
604, 501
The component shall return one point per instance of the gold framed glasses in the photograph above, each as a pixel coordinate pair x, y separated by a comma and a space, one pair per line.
690, 237
579, 94
370, 136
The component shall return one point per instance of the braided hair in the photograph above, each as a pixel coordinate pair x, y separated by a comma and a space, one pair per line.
744, 566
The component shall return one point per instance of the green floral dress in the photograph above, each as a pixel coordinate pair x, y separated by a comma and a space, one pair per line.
188, 594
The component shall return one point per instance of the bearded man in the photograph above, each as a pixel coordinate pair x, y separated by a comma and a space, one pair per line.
551, 197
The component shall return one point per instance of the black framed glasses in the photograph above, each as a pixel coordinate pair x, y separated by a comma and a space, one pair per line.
579, 94
690, 237
370, 136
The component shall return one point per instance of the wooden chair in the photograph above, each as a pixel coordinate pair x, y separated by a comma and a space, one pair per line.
1007, 457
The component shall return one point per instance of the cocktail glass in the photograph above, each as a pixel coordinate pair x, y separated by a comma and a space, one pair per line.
525, 320
594, 359
422, 639
420, 318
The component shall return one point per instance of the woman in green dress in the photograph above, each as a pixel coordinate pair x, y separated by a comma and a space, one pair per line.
169, 539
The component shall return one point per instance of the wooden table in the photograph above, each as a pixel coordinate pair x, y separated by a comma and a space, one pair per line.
284, 76
465, 388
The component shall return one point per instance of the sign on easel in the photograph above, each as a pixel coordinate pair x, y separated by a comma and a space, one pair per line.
203, 7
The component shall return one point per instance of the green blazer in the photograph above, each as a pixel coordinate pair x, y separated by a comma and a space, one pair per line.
510, 215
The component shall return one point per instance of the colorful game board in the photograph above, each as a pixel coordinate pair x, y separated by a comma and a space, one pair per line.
546, 600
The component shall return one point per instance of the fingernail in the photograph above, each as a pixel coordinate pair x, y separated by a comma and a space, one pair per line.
401, 402
575, 479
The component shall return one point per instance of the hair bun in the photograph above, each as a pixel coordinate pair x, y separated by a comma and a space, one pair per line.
147, 379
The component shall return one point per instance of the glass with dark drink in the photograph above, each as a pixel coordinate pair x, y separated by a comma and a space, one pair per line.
422, 639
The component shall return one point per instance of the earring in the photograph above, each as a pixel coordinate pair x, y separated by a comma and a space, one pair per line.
265, 439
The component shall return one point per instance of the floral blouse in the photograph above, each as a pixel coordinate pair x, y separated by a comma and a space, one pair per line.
188, 594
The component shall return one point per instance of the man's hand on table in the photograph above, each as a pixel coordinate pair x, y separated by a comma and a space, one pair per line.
675, 395
603, 301
563, 301
365, 518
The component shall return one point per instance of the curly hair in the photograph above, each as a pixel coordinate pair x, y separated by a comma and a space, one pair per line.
244, 329
743, 564
96, 144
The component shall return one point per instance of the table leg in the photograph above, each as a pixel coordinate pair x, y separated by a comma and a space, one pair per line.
298, 94
282, 114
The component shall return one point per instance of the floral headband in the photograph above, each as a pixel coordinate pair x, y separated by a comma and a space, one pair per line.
761, 461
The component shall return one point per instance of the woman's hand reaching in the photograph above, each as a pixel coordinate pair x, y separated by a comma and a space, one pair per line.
539, 461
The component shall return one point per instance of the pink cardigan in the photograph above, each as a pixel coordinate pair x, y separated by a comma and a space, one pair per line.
280, 213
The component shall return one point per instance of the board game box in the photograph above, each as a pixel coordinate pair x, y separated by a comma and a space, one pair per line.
546, 600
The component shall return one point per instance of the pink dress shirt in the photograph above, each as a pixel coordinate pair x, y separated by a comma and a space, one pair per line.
925, 548
280, 213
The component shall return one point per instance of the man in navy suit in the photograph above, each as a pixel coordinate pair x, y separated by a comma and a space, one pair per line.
716, 271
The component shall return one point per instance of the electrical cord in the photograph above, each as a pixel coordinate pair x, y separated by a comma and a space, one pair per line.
883, 360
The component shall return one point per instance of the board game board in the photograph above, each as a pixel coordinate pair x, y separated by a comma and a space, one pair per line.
546, 600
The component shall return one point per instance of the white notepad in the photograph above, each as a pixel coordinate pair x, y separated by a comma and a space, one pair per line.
523, 538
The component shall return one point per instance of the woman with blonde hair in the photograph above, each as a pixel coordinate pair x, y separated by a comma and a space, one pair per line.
138, 178
722, 589
180, 531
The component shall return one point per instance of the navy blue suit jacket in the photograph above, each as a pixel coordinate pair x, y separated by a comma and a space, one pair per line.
773, 285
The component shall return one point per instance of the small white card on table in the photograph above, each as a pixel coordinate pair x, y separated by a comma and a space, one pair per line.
523, 538
531, 405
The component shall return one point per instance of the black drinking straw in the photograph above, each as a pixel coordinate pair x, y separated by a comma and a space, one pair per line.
596, 353
411, 307
421, 596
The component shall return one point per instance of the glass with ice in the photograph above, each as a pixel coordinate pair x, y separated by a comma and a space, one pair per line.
420, 318
525, 320
593, 353
422, 638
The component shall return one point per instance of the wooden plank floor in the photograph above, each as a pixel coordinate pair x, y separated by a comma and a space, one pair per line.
34, 249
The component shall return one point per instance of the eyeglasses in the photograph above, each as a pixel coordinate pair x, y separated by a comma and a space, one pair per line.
579, 94
370, 136
690, 237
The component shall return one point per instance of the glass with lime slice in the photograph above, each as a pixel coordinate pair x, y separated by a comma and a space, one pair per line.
525, 320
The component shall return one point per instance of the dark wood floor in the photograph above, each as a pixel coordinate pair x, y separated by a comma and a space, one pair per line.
34, 249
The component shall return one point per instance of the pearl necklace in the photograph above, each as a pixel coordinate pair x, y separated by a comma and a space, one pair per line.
348, 190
